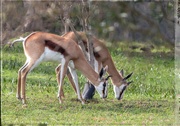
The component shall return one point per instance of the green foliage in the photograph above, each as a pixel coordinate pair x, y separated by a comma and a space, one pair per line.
149, 100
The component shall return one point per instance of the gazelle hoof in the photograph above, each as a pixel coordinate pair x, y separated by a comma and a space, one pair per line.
23, 101
18, 97
24, 106
62, 96
60, 101
82, 102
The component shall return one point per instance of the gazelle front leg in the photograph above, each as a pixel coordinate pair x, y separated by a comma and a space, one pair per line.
75, 78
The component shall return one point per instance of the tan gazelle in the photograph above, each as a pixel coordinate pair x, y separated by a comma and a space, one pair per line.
41, 46
102, 58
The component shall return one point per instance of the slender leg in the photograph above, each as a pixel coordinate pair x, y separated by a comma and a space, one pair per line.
75, 78
24, 73
89, 89
58, 70
19, 82
64, 65
70, 78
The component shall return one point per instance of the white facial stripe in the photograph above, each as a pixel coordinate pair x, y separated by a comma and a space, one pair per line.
122, 86
118, 91
102, 89
122, 91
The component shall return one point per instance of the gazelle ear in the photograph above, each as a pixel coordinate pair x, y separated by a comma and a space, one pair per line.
121, 72
106, 68
103, 71
128, 76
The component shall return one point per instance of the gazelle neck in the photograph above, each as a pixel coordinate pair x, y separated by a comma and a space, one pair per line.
116, 77
82, 65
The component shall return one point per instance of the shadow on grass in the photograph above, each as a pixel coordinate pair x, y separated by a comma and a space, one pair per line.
144, 106
134, 107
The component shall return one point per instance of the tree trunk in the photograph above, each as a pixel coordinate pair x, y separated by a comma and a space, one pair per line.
32, 21
85, 16
66, 10
89, 89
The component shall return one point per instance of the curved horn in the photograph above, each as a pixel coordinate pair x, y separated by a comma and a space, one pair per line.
128, 76
108, 77
129, 82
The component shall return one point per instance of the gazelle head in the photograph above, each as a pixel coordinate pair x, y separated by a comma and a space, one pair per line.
102, 88
119, 90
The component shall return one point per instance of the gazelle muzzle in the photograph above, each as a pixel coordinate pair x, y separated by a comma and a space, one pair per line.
121, 93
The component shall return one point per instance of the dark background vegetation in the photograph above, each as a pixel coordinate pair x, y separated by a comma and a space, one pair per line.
112, 21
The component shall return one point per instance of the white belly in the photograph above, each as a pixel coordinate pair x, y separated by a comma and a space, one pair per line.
50, 55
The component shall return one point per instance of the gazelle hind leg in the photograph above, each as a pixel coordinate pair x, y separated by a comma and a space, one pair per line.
24, 71
27, 68
70, 78
58, 70
75, 78
64, 65
18, 94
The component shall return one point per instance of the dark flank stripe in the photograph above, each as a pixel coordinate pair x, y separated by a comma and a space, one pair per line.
96, 55
55, 47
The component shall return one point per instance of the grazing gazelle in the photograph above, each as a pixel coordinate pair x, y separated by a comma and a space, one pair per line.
102, 58
40, 46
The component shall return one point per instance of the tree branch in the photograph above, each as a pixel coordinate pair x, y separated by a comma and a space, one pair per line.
80, 42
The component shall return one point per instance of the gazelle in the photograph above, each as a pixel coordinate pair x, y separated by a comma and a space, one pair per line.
103, 58
40, 46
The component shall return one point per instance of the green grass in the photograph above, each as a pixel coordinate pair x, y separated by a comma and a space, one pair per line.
149, 100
